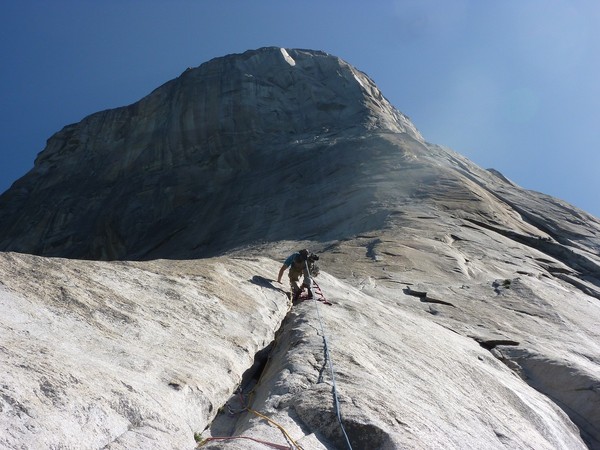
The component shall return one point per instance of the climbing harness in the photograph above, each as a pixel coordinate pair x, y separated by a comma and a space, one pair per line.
317, 294
330, 363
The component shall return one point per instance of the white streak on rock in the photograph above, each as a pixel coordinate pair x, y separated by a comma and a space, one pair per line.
287, 57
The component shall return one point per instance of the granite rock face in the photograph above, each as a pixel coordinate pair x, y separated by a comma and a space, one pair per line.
125, 355
135, 182
465, 310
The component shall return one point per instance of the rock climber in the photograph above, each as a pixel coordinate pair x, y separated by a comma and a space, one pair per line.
300, 263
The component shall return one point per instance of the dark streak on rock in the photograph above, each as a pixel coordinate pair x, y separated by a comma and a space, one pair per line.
424, 298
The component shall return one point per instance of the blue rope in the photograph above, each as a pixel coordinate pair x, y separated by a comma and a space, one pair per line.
330, 362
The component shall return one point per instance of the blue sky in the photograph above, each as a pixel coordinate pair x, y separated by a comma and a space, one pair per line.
513, 85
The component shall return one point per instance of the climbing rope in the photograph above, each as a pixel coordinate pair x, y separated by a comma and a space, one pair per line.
231, 438
283, 430
294, 445
330, 363
245, 407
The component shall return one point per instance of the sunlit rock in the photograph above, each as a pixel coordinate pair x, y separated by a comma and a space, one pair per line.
464, 313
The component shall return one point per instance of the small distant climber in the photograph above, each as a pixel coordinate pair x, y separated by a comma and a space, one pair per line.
300, 263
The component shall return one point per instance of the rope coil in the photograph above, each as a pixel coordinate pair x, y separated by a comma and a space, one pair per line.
293, 444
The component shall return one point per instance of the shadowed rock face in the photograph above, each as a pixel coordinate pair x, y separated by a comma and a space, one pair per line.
198, 159
465, 308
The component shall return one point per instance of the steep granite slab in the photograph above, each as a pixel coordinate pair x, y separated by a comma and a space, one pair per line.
144, 354
125, 355
402, 382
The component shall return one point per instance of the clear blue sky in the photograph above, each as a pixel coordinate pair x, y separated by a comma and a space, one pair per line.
513, 85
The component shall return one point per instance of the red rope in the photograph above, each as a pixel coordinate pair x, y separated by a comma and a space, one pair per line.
270, 444
319, 291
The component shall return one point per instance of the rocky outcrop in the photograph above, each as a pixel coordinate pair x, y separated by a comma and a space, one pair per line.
464, 307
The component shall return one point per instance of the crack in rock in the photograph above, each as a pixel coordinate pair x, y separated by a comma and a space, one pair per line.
490, 344
425, 298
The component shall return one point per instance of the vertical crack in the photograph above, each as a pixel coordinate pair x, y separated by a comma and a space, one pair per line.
229, 419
